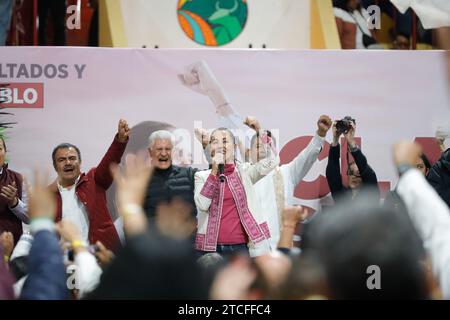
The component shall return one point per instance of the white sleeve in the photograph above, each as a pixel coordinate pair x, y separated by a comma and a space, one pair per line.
88, 272
431, 217
299, 167
262, 168
204, 190
21, 209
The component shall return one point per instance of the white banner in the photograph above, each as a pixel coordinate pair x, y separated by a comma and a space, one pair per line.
269, 23
77, 95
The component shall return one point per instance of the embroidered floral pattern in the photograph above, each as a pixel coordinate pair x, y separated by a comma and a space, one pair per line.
210, 186
265, 229
215, 191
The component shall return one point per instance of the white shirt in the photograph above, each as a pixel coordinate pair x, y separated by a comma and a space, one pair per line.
431, 218
291, 173
73, 210
432, 13
88, 273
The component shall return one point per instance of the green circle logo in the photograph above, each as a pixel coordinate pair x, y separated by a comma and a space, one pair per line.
212, 22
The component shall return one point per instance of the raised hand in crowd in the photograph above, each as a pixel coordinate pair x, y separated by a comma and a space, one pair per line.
336, 135
199, 77
175, 220
41, 201
70, 232
234, 281
7, 243
103, 255
202, 136
46, 272
123, 131
406, 153
350, 135
323, 125
253, 123
291, 217
88, 268
131, 188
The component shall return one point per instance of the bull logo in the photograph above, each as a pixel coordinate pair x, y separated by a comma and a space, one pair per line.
212, 22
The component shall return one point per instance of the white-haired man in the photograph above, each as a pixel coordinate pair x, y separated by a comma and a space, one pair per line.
168, 181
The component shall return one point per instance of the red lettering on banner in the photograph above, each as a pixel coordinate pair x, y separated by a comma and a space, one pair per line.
306, 190
23, 95
430, 148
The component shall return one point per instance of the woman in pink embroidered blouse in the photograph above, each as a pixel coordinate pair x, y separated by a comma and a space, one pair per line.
230, 219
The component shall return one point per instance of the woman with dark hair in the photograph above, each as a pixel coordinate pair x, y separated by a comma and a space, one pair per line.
392, 200
352, 26
360, 175
230, 219
423, 164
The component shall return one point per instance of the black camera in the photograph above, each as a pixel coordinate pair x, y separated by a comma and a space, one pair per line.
342, 126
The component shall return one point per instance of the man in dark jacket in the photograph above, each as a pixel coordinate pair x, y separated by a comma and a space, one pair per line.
168, 181
360, 175
439, 176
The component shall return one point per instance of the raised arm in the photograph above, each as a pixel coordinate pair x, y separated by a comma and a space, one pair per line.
333, 171
46, 277
368, 176
102, 173
203, 137
429, 214
299, 167
291, 217
130, 193
88, 272
199, 78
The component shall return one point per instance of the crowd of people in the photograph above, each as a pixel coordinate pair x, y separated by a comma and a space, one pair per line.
356, 32
226, 232
51, 20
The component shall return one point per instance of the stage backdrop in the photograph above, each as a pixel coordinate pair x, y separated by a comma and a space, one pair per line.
78, 95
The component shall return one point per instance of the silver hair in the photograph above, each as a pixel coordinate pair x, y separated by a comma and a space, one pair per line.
160, 134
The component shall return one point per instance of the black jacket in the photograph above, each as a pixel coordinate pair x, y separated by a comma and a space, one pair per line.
168, 184
334, 178
439, 176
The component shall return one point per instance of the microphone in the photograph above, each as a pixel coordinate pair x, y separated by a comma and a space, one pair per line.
221, 170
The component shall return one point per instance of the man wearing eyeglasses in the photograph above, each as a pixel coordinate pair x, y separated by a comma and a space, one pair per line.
360, 174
